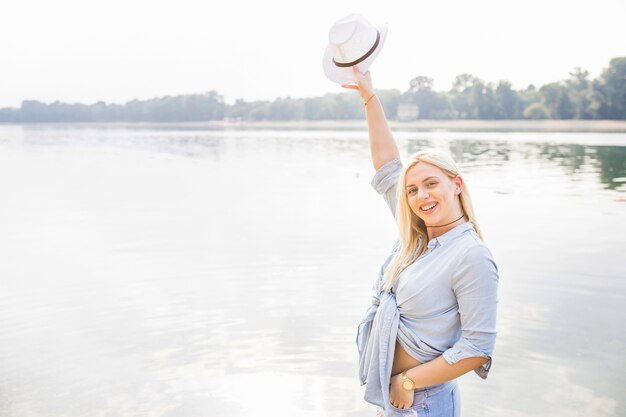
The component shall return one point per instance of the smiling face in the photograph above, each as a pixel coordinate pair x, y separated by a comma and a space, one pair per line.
432, 194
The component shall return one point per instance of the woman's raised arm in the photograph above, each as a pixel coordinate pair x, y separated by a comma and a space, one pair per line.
382, 144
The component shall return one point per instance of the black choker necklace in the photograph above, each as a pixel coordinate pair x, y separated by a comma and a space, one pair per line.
450, 222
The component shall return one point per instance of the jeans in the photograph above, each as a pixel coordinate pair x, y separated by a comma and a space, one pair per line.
440, 400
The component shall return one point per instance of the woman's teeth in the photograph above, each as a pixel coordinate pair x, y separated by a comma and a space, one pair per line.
429, 208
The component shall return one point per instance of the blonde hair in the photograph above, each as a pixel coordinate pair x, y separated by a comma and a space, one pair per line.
412, 229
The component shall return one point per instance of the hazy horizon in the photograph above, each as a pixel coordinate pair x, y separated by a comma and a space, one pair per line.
231, 102
74, 52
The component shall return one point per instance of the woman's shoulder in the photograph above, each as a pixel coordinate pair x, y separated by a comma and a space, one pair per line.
474, 248
475, 263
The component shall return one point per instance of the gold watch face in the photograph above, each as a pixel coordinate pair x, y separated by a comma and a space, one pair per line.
407, 385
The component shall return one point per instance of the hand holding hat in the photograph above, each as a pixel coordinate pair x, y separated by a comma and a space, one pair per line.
363, 83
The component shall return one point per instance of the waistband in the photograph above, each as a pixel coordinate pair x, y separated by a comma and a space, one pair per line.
432, 389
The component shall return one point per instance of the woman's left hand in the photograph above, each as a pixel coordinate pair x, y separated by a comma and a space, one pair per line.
363, 83
398, 396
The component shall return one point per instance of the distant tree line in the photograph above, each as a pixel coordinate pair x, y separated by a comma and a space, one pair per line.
577, 97
195, 107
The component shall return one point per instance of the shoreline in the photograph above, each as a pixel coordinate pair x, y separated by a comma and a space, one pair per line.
604, 126
451, 125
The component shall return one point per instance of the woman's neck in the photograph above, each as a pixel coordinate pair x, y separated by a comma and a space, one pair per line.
434, 232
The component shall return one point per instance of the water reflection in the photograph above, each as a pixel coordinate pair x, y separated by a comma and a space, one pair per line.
179, 143
612, 166
476, 153
608, 161
152, 272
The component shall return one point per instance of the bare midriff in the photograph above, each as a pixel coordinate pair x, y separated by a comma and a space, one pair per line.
402, 360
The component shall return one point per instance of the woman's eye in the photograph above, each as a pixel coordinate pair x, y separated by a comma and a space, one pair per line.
432, 184
412, 191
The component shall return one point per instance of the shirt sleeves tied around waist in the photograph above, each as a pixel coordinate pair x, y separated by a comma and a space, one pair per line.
475, 285
364, 332
363, 336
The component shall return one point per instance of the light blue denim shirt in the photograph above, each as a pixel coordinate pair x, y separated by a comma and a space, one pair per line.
442, 304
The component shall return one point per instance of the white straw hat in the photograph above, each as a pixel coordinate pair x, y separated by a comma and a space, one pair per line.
352, 41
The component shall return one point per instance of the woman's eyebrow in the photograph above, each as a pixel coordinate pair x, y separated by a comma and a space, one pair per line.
424, 180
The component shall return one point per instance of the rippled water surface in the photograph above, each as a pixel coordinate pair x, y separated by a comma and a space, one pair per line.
182, 272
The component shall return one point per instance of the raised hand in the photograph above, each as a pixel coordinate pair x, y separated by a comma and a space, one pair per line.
363, 83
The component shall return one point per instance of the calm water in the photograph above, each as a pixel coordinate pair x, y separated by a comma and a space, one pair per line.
186, 272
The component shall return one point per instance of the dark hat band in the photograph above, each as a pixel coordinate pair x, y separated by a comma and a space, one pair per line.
363, 58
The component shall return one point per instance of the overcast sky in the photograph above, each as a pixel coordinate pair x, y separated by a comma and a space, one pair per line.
85, 51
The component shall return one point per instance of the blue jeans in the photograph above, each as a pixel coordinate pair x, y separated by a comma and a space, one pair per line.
440, 400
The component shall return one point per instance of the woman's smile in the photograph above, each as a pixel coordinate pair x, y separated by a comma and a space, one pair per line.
429, 207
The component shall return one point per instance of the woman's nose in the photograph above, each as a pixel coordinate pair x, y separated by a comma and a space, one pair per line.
422, 193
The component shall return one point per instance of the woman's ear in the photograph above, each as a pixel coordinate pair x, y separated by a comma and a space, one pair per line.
458, 181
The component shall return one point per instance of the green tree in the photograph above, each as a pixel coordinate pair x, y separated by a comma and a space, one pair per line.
286, 109
536, 111
556, 98
431, 105
508, 104
460, 96
528, 96
609, 91
10, 115
580, 93
472, 98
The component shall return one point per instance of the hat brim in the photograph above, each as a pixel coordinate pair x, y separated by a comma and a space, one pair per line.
343, 75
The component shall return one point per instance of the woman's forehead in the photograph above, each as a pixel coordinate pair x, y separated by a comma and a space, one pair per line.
423, 170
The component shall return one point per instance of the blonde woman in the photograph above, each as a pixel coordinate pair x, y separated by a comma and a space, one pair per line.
433, 312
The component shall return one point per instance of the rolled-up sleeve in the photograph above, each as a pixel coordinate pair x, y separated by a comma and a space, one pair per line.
385, 182
475, 285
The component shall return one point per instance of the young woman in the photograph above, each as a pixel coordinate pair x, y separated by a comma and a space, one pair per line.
433, 312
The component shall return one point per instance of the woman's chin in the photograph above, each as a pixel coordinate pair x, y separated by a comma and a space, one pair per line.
433, 221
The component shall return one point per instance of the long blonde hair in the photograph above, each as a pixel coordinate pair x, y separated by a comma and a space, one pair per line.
412, 229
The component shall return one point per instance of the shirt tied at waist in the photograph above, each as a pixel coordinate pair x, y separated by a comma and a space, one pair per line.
377, 330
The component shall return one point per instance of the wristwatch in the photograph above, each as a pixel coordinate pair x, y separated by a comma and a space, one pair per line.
407, 383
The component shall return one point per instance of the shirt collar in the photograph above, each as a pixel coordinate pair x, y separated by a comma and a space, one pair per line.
449, 235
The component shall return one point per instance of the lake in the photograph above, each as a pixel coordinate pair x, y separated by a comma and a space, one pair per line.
184, 271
